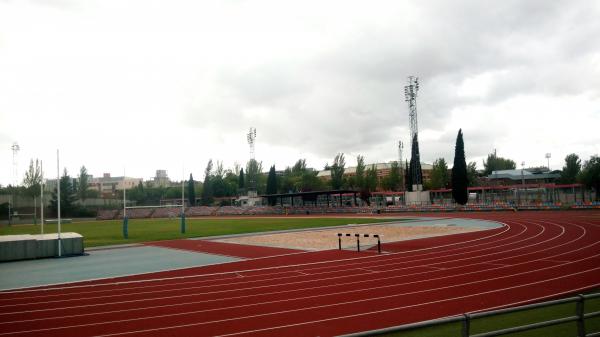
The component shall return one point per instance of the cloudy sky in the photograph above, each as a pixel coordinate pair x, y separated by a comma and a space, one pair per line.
145, 85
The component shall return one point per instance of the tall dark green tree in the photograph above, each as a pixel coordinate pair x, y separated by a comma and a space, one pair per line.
407, 177
460, 181
272, 185
439, 174
83, 184
415, 163
191, 191
393, 181
253, 174
67, 197
241, 180
33, 179
359, 174
207, 189
571, 169
495, 163
337, 171
590, 174
472, 174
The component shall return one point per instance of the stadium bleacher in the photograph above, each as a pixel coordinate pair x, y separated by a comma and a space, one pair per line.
200, 211
106, 214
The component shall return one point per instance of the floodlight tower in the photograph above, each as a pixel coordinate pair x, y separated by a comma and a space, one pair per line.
15, 150
410, 94
251, 175
251, 141
400, 149
548, 156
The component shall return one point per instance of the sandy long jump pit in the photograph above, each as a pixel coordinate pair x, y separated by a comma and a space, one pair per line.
322, 239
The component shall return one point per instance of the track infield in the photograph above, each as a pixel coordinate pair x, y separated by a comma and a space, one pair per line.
534, 256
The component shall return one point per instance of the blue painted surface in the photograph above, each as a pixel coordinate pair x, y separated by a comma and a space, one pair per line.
484, 224
101, 264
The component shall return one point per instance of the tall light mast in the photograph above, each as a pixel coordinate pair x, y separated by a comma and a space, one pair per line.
251, 137
410, 95
15, 150
251, 141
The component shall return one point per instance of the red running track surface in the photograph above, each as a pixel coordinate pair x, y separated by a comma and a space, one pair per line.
535, 256
223, 248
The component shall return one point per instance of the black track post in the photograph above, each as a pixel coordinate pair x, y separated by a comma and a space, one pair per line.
357, 242
340, 241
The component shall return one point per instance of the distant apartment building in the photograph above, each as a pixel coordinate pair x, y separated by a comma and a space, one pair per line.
161, 179
383, 170
108, 186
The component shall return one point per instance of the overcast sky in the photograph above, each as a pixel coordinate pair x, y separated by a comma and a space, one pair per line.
146, 85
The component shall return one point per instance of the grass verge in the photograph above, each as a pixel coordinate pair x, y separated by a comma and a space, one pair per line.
504, 321
110, 232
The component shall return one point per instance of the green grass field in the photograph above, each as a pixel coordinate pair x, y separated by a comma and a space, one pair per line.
110, 232
504, 321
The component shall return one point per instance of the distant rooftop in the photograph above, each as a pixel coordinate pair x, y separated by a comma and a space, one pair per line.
522, 174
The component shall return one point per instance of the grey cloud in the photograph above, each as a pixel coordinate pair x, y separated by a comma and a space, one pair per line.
349, 97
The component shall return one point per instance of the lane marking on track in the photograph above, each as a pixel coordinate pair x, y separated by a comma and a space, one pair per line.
505, 228
333, 318
247, 282
396, 285
388, 257
497, 264
308, 308
251, 288
557, 261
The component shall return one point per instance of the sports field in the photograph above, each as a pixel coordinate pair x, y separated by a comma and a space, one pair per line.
533, 256
110, 232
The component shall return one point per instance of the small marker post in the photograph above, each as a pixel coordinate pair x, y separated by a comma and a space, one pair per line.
357, 242
340, 241
125, 229
378, 243
182, 222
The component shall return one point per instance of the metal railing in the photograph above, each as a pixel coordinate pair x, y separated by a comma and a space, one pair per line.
466, 319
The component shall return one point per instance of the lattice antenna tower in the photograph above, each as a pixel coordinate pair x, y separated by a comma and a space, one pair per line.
400, 150
15, 150
410, 95
250, 175
251, 141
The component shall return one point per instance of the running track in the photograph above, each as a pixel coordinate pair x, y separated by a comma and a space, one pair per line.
536, 255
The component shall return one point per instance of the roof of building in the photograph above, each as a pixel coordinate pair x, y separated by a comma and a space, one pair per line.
378, 166
521, 174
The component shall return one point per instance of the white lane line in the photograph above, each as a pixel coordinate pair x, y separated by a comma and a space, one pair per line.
556, 261
178, 289
223, 291
308, 308
387, 257
505, 229
419, 281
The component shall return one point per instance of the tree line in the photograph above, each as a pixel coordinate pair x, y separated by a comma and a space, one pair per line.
219, 184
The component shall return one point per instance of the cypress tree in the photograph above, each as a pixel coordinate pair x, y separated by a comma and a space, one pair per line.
407, 178
191, 191
241, 180
272, 185
460, 181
